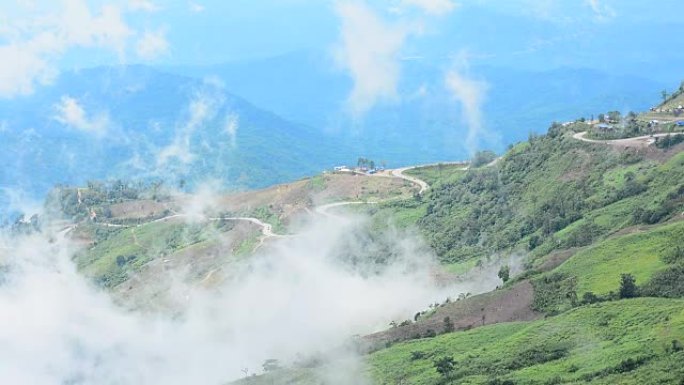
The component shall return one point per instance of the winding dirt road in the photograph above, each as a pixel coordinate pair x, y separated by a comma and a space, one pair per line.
636, 142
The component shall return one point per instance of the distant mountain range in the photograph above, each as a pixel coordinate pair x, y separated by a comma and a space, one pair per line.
288, 122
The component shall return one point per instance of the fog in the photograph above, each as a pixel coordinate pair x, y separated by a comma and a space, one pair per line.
295, 298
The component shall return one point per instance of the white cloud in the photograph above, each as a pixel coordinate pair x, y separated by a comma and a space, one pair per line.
433, 7
34, 44
470, 94
143, 5
231, 127
152, 45
195, 7
203, 107
71, 113
602, 12
368, 49
22, 67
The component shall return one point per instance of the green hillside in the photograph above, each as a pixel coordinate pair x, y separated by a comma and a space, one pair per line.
601, 230
628, 342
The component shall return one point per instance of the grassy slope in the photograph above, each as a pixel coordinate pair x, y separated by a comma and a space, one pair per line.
139, 245
598, 268
439, 174
585, 343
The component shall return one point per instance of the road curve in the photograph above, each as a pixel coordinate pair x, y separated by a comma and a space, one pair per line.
638, 141
399, 173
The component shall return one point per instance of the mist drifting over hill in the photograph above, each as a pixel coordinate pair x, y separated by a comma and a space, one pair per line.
341, 192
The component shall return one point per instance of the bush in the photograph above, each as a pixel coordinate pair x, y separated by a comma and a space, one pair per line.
482, 158
445, 366
554, 293
675, 255
537, 355
628, 287
669, 141
589, 298
668, 283
417, 355
505, 273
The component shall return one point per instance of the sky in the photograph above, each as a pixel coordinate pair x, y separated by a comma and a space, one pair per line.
46, 37
367, 40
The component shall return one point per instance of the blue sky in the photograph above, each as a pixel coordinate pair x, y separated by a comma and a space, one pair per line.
204, 31
42, 38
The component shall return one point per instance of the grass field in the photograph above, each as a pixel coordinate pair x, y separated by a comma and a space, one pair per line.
128, 249
598, 268
625, 342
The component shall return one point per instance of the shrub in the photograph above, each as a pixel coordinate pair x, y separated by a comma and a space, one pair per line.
505, 273
537, 355
417, 355
589, 298
554, 293
628, 287
482, 158
668, 283
445, 366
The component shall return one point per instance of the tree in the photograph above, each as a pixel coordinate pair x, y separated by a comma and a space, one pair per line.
628, 287
602, 118
664, 95
505, 273
445, 366
614, 116
448, 325
483, 157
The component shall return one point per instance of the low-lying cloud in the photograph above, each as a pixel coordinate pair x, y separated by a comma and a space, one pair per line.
70, 112
292, 300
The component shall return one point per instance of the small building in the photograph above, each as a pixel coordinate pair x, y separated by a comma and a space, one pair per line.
680, 123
